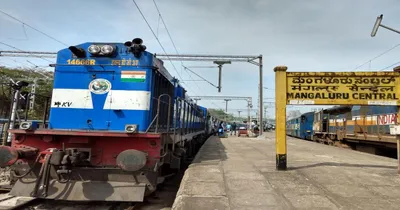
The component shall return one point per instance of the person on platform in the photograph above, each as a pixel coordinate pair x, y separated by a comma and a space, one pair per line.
228, 127
233, 128
221, 129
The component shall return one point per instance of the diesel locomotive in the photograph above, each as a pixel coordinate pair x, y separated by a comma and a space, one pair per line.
365, 128
119, 124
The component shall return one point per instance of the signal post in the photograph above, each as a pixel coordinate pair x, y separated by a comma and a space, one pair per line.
332, 88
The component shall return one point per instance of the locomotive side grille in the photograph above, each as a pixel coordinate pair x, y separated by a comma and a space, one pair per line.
162, 86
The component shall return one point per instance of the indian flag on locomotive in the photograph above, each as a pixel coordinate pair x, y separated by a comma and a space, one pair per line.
133, 76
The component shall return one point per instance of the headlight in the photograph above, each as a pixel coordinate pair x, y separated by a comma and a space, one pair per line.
131, 128
94, 49
29, 125
25, 125
107, 49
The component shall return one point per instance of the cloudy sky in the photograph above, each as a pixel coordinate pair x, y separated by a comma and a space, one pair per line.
312, 35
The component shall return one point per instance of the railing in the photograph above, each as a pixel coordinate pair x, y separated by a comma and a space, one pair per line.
187, 118
169, 111
157, 117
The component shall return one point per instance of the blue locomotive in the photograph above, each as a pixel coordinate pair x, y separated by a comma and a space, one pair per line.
301, 127
119, 124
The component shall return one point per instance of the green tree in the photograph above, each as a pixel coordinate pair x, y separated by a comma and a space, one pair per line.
221, 114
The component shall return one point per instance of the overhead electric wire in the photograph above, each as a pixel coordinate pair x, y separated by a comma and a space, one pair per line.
170, 37
162, 47
387, 67
43, 33
23, 65
383, 53
158, 40
36, 66
172, 41
165, 25
200, 76
206, 67
177, 52
22, 50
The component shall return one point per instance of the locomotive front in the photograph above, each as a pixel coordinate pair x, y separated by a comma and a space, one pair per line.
97, 145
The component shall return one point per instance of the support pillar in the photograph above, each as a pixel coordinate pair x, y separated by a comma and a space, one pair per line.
261, 95
280, 112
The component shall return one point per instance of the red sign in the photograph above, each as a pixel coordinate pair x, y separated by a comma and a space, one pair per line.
387, 119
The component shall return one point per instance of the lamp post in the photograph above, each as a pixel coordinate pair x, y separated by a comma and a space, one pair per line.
378, 23
226, 107
249, 106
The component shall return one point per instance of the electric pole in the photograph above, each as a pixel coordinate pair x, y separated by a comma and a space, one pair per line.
226, 108
265, 111
220, 63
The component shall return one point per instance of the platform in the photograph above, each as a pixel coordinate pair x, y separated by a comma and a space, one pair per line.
239, 173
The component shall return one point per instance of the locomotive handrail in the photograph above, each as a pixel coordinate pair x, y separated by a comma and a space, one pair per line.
178, 99
154, 119
176, 114
158, 111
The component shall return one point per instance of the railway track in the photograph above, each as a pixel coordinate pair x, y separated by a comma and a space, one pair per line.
28, 203
161, 200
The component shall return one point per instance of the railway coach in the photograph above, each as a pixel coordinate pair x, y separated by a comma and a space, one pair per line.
364, 128
301, 127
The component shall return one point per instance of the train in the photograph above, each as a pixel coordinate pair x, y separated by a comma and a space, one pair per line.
365, 128
119, 125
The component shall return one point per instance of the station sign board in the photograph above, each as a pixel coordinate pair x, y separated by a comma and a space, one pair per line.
343, 88
334, 88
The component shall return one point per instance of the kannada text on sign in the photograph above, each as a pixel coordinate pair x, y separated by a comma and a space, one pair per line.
326, 88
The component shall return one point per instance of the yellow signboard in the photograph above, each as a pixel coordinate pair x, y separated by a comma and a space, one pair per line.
342, 88
329, 88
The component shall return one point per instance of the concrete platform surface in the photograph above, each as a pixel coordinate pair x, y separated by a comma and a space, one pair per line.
239, 173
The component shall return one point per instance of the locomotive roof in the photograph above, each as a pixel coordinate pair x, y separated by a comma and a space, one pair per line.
147, 58
337, 110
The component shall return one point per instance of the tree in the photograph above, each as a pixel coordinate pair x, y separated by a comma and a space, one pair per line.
221, 114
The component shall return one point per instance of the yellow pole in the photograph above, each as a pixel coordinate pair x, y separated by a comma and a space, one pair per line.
397, 69
280, 113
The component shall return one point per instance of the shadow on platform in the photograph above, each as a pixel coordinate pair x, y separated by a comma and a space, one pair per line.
342, 164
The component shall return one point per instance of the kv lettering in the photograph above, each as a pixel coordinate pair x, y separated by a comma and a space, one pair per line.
62, 104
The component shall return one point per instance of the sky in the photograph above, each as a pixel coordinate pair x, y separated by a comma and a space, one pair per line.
312, 35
